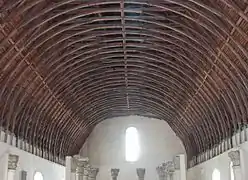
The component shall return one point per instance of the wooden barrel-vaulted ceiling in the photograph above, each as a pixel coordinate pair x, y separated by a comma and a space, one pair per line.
66, 65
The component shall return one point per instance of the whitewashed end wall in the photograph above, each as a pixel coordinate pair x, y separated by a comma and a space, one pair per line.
105, 146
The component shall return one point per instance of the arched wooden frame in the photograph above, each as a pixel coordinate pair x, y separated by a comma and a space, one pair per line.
67, 65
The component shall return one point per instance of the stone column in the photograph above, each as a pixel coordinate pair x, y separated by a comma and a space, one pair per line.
93, 173
86, 171
161, 173
81, 167
177, 168
114, 173
73, 168
73, 175
68, 168
235, 158
23, 175
183, 167
12, 165
2, 134
141, 173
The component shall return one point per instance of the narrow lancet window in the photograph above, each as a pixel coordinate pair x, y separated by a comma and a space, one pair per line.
216, 174
231, 171
38, 176
132, 144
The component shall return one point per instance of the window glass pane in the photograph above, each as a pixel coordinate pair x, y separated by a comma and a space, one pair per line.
231, 171
38, 176
216, 175
132, 144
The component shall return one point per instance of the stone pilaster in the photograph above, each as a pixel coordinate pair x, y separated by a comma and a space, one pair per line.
177, 162
183, 167
141, 173
73, 168
2, 134
114, 173
68, 168
177, 167
235, 158
23, 175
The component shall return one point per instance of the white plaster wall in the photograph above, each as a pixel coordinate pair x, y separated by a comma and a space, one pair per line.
30, 163
204, 170
105, 146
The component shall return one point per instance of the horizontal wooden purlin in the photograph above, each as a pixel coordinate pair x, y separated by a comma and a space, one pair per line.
67, 65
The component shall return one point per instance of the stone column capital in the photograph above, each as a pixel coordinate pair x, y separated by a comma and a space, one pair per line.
81, 164
141, 173
161, 172
87, 168
12, 161
81, 161
235, 157
93, 172
169, 167
114, 173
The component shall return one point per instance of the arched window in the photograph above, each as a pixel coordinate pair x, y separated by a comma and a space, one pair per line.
38, 176
216, 174
132, 144
231, 171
